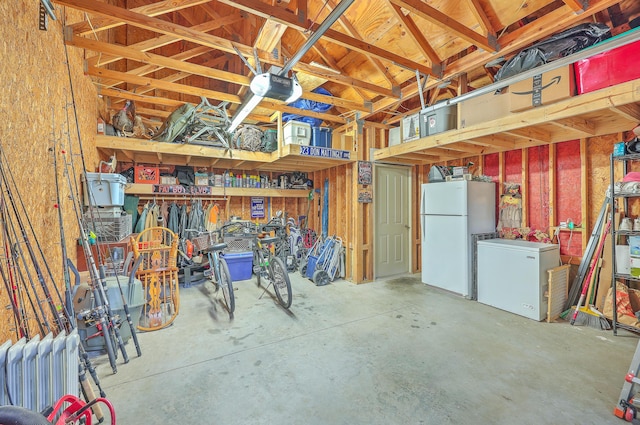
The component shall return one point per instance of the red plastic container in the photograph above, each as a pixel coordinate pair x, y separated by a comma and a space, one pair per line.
608, 69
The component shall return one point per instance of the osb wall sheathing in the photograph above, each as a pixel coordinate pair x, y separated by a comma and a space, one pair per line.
598, 157
568, 202
37, 109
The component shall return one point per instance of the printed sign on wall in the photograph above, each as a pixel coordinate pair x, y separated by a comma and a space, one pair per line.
257, 207
365, 172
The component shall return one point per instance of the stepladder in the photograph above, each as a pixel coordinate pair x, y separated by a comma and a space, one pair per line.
629, 402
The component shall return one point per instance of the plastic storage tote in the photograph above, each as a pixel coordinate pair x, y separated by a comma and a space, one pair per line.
240, 265
296, 132
104, 189
321, 137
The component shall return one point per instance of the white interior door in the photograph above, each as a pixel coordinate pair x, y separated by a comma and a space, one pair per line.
392, 216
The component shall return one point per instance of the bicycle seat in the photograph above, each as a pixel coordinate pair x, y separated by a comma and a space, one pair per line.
268, 240
216, 247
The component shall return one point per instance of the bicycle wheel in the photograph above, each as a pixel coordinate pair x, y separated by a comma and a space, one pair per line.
227, 286
281, 282
257, 268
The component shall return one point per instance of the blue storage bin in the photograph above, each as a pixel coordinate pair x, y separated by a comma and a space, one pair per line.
321, 136
311, 266
240, 265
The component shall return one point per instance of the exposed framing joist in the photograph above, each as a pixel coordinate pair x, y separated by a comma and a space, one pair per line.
436, 17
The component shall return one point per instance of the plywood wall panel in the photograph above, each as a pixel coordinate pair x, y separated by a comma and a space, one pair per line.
599, 151
37, 108
568, 195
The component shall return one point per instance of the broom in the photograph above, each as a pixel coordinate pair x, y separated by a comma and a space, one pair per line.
589, 316
582, 315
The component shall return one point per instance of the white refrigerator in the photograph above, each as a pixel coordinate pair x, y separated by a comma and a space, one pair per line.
450, 213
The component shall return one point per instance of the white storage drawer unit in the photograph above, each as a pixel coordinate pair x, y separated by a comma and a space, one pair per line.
512, 275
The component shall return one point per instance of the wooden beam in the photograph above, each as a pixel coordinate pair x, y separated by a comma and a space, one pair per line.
516, 40
492, 141
579, 124
553, 213
281, 107
290, 19
154, 9
584, 193
176, 32
269, 36
532, 134
417, 35
578, 6
524, 192
481, 17
157, 60
630, 111
123, 94
353, 32
500, 173
621, 94
436, 17
163, 85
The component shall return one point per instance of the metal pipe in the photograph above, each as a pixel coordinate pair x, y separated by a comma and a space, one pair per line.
603, 46
324, 26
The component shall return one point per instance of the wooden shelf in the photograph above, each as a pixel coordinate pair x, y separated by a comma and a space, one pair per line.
606, 111
287, 158
147, 190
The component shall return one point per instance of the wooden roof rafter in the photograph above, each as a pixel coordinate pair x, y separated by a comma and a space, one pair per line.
353, 32
418, 37
198, 37
263, 10
482, 18
436, 17
509, 43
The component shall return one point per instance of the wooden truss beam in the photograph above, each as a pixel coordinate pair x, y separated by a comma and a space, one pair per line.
436, 17
291, 20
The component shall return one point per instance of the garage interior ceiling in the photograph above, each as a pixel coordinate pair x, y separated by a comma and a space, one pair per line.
162, 54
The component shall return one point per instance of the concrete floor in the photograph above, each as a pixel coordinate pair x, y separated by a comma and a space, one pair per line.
388, 352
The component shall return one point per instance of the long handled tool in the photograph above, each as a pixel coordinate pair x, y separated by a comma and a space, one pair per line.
587, 281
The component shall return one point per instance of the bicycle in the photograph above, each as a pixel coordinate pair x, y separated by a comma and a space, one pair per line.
218, 273
271, 268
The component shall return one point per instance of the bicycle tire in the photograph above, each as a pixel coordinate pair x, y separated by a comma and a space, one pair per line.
227, 286
281, 282
257, 268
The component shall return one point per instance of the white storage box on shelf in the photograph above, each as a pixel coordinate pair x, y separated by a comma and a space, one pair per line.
296, 132
394, 136
103, 189
411, 127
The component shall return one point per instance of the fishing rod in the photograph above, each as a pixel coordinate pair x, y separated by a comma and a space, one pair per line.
125, 306
61, 320
63, 242
85, 241
98, 313
9, 282
18, 254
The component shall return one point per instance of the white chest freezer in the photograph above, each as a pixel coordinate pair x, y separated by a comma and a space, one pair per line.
512, 275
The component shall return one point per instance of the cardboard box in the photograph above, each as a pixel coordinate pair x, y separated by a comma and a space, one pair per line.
170, 180
484, 108
542, 89
411, 127
201, 179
